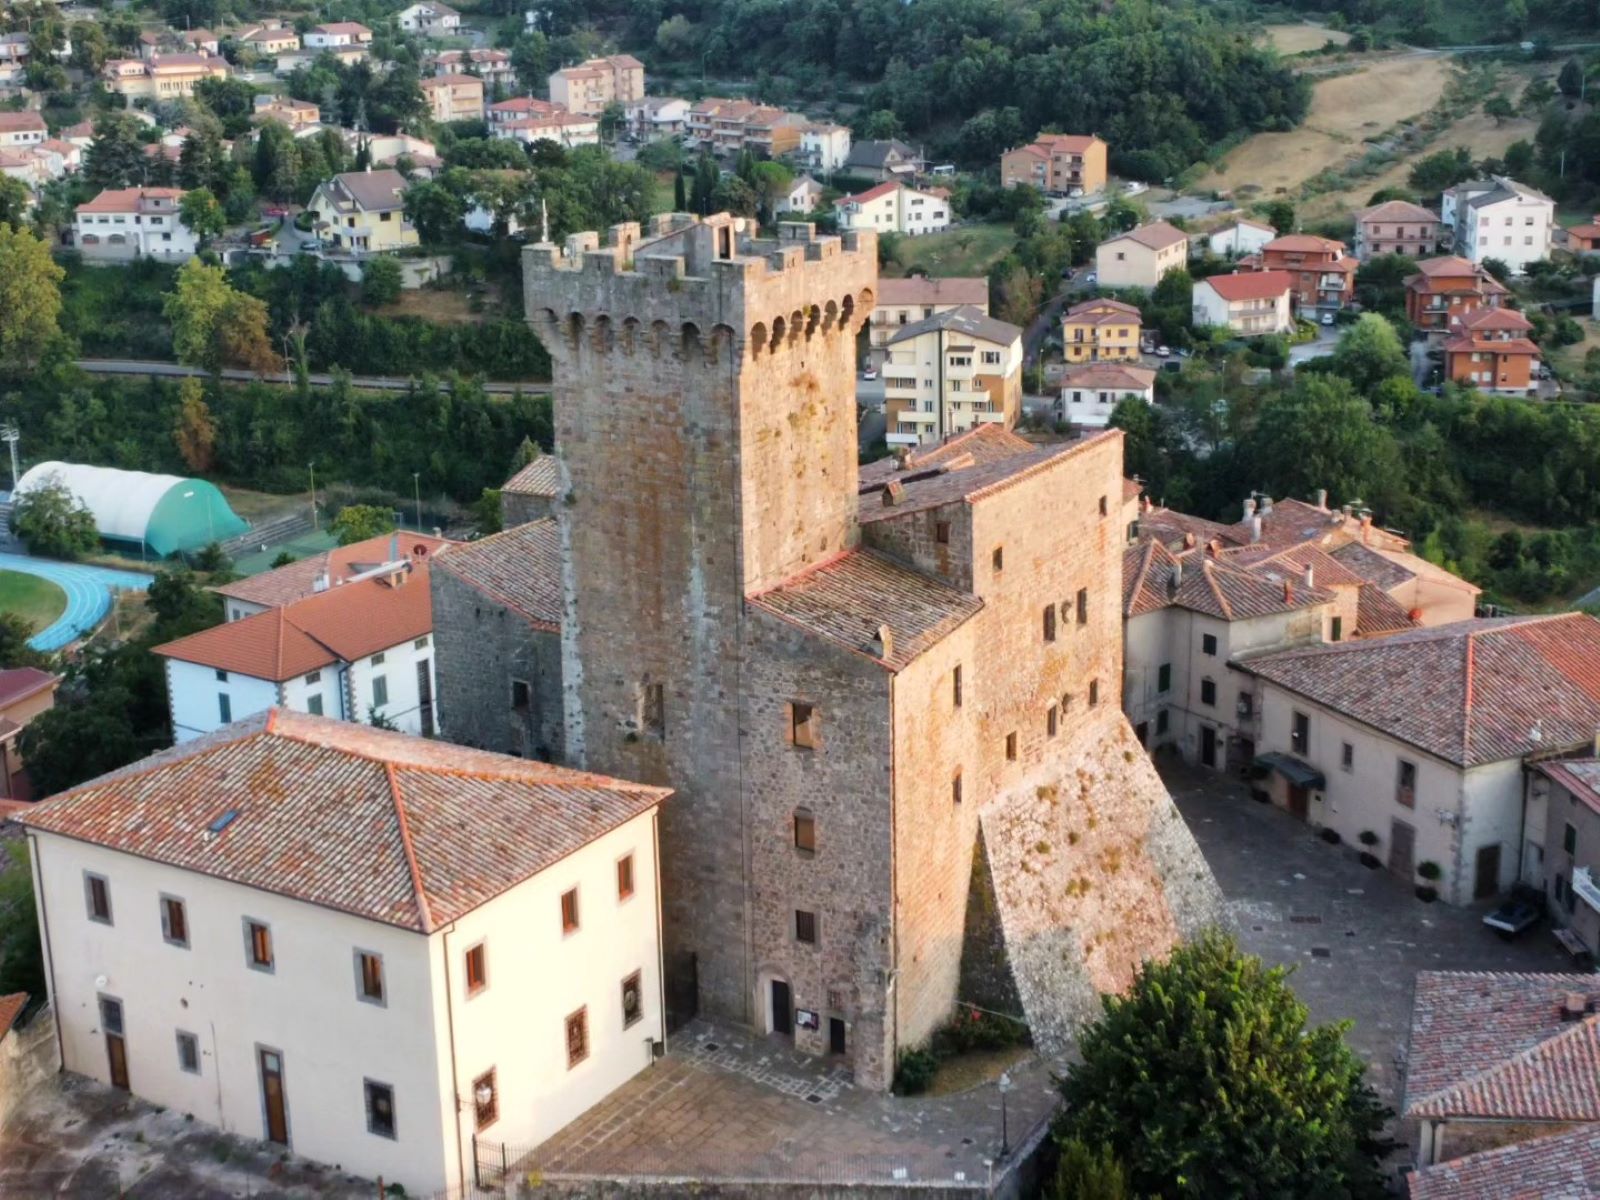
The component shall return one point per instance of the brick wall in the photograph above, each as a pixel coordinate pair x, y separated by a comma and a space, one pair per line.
518, 508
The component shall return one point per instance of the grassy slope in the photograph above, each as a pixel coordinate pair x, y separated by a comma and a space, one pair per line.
35, 600
968, 250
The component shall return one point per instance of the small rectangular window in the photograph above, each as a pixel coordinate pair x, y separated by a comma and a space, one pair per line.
477, 960
955, 685
805, 927
955, 787
314, 677
380, 691
97, 895
569, 911
421, 643
485, 1100
1336, 633
1208, 692
1164, 678
1051, 720
258, 945
1050, 622
653, 709
1105, 507
1094, 692
174, 922
1406, 786
369, 977
521, 696
1347, 757
577, 1037
941, 532
1208, 644
1161, 721
314, 705
802, 725
805, 831
222, 676
998, 558
380, 1108
625, 877
632, 1000
188, 1053
1300, 734
1083, 606
224, 707
1011, 747
377, 659
1569, 839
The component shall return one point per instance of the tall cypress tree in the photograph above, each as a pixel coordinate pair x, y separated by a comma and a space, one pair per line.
680, 199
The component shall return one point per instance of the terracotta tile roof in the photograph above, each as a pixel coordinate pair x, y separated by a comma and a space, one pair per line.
922, 289
1378, 613
298, 579
1290, 522
872, 193
519, 568
434, 83
1449, 264
1102, 312
1473, 343
1562, 1167
1587, 230
1071, 143
1109, 375
1471, 692
1249, 285
1483, 319
1374, 567
1173, 528
985, 443
1291, 562
354, 28
1305, 243
1132, 489
1580, 776
21, 122
1397, 210
19, 683
1152, 579
403, 830
848, 600
1158, 235
347, 622
960, 480
127, 200
10, 1009
541, 477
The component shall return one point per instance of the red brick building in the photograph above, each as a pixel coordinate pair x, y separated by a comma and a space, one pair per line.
1491, 350
1324, 275
1396, 227
1444, 290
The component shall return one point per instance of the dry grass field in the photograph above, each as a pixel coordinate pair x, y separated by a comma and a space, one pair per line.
1294, 39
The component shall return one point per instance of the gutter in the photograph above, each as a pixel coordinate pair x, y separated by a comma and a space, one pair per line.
49, 955
455, 1076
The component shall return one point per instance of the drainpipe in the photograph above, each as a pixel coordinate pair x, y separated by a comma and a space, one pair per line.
661, 946
49, 956
455, 1076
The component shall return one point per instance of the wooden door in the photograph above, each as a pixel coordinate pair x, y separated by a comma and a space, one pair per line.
782, 1009
1402, 850
117, 1056
272, 1100
1208, 747
1486, 879
1299, 801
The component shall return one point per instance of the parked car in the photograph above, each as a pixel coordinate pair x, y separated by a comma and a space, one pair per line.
1520, 912
869, 375
1327, 318
1092, 277
1163, 352
1174, 365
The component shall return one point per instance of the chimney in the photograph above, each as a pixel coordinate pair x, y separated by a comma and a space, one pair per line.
394, 546
1266, 506
1322, 498
1249, 508
893, 491
1144, 504
1349, 510
1574, 1006
1188, 541
320, 583
885, 642
1288, 591
1177, 575
1255, 530
1311, 581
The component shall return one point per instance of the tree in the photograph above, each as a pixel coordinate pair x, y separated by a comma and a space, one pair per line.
15, 630
15, 198
1279, 214
612, 119
53, 522
1085, 1174
30, 298
436, 210
1570, 82
115, 158
881, 126
1498, 267
244, 337
202, 213
734, 195
1369, 352
380, 281
215, 326
1500, 108
21, 952
705, 184
1204, 1080
680, 195
1515, 18
1519, 158
358, 522
195, 432
1441, 170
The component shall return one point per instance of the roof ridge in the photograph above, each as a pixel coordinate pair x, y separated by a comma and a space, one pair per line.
1146, 559
418, 889
1208, 572
1522, 1058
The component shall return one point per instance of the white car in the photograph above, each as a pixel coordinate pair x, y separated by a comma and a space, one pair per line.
1327, 318
869, 375
1163, 352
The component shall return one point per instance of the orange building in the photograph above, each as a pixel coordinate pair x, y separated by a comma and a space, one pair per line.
1444, 290
1100, 331
25, 692
1491, 350
1584, 239
1057, 162
1324, 275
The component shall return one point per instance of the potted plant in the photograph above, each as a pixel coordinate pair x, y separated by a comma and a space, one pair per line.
1429, 871
1329, 834
1368, 859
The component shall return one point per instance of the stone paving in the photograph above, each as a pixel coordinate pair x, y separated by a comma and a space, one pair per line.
1356, 937
728, 1105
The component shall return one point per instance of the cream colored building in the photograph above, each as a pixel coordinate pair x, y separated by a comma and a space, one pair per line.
1090, 392
895, 208
825, 148
163, 77
1140, 257
454, 97
269, 39
430, 19
1100, 330
949, 372
401, 993
1248, 304
902, 302
363, 212
590, 86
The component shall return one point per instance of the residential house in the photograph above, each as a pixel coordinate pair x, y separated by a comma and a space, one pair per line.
651, 118
296, 114
700, 121
1324, 275
517, 108
385, 149
454, 97
122, 224
1584, 238
1090, 391
246, 928
883, 161
771, 132
269, 40
25, 692
25, 167
165, 77
317, 573
498, 603
1396, 227
824, 147
895, 208
290, 62
361, 650
200, 41
1247, 303
1561, 846
1444, 290
1140, 257
1100, 331
563, 128
531, 494
363, 212
1421, 738
1499, 218
589, 87
491, 66
1240, 237
804, 196
1490, 349
430, 19
1500, 1085
902, 302
1063, 164
22, 130
948, 372
337, 35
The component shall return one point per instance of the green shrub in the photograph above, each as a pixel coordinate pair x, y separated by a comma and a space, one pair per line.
915, 1072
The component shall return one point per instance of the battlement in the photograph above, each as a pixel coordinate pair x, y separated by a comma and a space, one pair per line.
684, 275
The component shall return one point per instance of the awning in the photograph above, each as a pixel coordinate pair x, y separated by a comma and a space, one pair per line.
1295, 770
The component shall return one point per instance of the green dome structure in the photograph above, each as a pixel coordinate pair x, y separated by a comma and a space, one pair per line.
162, 514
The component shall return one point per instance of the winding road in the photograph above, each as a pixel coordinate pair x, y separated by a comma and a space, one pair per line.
376, 383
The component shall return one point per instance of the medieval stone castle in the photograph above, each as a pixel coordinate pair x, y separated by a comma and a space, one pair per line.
887, 696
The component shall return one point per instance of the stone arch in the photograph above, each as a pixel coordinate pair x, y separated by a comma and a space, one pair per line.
780, 329
867, 300
602, 336
690, 340
830, 316
660, 331
813, 320
574, 329
797, 325
847, 312
720, 343
630, 334
758, 339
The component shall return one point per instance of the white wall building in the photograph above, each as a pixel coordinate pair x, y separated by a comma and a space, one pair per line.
1090, 392
825, 148
129, 223
337, 34
895, 208
430, 18
1240, 238
1499, 218
376, 1018
804, 194
1248, 303
21, 130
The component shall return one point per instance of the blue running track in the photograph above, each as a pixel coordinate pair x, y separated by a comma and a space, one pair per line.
88, 592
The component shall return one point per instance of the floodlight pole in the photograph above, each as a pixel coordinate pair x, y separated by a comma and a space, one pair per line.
12, 435
312, 467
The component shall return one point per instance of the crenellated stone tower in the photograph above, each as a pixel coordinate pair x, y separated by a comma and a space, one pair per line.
705, 417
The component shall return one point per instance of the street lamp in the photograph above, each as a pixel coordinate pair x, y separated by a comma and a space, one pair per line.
416, 487
1005, 1133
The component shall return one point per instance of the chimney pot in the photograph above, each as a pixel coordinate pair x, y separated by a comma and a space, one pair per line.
1310, 578
1574, 1006
892, 493
1266, 506
1255, 530
1188, 541
1288, 591
886, 640
1249, 508
1322, 498
1177, 575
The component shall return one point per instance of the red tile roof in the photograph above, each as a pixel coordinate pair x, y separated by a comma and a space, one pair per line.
541, 477
519, 568
1305, 243
402, 830
10, 1009
19, 683
127, 200
1250, 285
923, 289
1109, 375
984, 443
1102, 312
298, 579
1397, 210
21, 122
1378, 613
1483, 319
1580, 776
963, 479
1469, 693
1157, 235
1154, 577
1472, 343
872, 193
1562, 1167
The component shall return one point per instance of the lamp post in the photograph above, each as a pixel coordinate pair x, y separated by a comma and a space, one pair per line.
1005, 1133
312, 467
416, 488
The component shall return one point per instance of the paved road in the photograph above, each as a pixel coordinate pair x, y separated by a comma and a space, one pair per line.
376, 383
89, 591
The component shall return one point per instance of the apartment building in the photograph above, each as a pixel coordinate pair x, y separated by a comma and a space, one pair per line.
248, 928
1396, 227
1490, 348
363, 212
337, 34
429, 19
895, 208
651, 118
492, 66
1444, 290
561, 127
949, 372
1140, 257
165, 77
454, 97
1090, 392
902, 302
1100, 331
122, 224
1062, 164
22, 130
296, 114
1324, 275
359, 650
772, 132
825, 148
1247, 304
1499, 218
589, 87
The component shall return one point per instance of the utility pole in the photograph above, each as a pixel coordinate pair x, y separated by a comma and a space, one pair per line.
312, 467
11, 435
416, 486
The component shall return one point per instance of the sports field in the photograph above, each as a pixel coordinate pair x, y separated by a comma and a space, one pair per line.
86, 592
37, 601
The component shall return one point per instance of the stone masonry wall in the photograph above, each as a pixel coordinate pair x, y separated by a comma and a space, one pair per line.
482, 646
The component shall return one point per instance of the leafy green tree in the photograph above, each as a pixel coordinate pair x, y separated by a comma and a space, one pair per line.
21, 953
680, 195
53, 522
1085, 1174
1570, 81
612, 119
15, 631
176, 598
358, 522
231, 101
705, 186
380, 282
213, 325
1279, 214
1381, 283
1205, 1080
1498, 267
1519, 157
115, 158
195, 430
436, 211
30, 298
202, 213
881, 125
734, 195
1369, 352
1500, 108
14, 201
1441, 170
